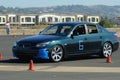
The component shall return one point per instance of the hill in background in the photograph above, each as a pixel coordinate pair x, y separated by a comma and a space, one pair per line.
101, 10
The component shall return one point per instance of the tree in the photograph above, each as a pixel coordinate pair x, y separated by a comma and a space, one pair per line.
107, 23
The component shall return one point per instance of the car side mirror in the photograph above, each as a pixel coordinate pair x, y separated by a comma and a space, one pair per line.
72, 35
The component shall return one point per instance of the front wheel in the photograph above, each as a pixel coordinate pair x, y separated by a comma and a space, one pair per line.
56, 53
107, 49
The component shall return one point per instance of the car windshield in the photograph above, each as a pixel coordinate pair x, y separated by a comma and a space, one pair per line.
58, 29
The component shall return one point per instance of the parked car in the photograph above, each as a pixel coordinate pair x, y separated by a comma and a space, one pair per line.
61, 40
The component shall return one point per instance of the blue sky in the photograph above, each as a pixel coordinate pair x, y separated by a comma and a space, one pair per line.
47, 3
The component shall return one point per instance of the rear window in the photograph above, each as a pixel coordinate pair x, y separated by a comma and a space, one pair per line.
92, 29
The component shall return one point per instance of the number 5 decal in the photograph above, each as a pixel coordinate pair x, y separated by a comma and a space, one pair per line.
81, 46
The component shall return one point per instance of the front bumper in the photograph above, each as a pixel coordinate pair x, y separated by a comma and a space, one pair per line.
29, 53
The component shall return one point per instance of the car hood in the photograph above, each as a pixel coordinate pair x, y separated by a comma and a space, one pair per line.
40, 38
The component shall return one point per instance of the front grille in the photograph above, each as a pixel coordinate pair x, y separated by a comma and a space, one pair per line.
26, 45
25, 53
26, 49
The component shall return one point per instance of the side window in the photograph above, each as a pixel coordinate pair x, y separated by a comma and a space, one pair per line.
80, 30
92, 29
65, 29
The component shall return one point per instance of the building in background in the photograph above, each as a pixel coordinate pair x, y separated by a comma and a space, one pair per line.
92, 18
3, 19
80, 18
67, 18
13, 19
27, 20
49, 18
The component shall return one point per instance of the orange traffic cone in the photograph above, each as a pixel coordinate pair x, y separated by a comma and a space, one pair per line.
108, 59
1, 56
31, 65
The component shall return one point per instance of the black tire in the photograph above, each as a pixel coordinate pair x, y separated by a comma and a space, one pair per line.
106, 50
56, 53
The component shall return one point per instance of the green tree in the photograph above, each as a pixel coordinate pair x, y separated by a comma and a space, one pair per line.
107, 23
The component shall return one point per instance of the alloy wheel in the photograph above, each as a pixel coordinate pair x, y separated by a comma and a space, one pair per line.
56, 53
107, 49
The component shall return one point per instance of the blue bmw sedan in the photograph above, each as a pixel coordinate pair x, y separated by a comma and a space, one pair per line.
61, 40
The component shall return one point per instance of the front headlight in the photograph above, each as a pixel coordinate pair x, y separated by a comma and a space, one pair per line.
41, 45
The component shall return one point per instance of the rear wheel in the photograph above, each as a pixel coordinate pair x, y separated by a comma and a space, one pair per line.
56, 53
107, 49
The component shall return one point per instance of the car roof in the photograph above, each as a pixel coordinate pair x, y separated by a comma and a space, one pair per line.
76, 23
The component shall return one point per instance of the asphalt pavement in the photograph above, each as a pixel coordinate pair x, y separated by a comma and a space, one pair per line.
74, 68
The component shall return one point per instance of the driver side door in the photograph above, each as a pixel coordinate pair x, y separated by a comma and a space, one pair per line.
76, 45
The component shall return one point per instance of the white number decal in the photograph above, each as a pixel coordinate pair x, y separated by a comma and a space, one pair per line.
81, 46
